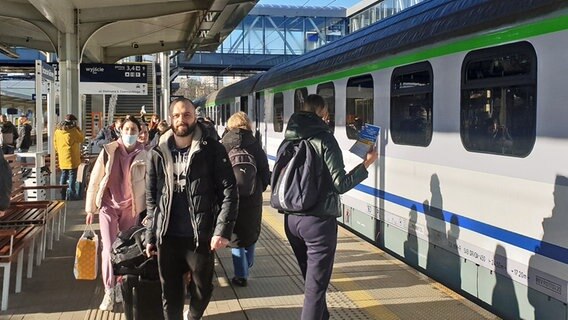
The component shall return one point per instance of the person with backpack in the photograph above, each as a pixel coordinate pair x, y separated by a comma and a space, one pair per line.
9, 135
309, 166
250, 166
116, 192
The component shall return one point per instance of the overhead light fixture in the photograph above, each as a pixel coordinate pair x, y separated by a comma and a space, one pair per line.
7, 51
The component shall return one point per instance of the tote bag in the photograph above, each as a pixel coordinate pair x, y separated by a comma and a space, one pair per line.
86, 256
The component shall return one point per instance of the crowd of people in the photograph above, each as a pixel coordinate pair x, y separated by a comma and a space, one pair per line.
178, 180
15, 139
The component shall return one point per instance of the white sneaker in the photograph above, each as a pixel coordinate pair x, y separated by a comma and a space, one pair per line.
118, 293
108, 300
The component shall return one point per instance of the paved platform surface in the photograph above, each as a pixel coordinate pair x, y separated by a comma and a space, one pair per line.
367, 283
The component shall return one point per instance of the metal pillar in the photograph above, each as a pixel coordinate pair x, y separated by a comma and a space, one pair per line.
69, 76
165, 83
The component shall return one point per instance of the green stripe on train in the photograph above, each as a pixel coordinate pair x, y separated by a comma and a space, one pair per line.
490, 39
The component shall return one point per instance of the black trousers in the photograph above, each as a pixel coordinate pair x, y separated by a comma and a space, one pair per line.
313, 240
177, 255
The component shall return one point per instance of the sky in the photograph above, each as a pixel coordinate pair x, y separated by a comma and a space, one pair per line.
322, 3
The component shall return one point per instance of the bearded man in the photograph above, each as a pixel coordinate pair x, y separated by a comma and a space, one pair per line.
192, 205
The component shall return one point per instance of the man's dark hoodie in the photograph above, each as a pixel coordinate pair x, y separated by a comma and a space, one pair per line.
335, 181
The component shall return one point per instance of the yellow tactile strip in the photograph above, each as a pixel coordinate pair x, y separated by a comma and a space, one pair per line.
379, 285
359, 297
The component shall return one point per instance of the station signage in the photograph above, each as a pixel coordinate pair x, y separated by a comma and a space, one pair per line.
131, 79
47, 72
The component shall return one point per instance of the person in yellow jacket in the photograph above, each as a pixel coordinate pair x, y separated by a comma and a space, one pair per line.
67, 143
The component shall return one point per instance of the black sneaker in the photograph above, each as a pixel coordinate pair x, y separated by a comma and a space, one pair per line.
241, 282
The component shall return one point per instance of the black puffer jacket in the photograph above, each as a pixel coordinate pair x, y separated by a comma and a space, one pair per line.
247, 228
212, 193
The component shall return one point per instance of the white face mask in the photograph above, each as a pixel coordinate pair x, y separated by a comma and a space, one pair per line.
129, 139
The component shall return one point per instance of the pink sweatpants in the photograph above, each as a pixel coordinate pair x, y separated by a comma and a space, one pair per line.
111, 222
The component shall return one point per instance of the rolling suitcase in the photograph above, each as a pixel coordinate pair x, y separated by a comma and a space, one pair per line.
141, 298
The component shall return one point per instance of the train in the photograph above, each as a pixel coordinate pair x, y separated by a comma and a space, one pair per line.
471, 186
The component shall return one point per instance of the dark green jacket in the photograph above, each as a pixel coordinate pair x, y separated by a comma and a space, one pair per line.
335, 181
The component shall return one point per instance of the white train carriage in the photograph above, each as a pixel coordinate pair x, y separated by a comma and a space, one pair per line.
472, 182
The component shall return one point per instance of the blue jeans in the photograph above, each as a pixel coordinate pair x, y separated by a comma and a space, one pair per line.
243, 259
69, 176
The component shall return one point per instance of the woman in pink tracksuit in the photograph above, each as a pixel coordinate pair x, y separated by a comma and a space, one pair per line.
116, 192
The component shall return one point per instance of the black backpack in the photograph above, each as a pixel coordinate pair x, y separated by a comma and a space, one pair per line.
244, 168
296, 177
128, 255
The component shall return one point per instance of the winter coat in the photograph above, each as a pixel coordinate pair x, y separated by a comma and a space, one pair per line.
211, 189
67, 141
247, 227
5, 182
7, 129
335, 181
24, 141
100, 175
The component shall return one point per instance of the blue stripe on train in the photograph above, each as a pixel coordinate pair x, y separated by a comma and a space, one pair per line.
543, 248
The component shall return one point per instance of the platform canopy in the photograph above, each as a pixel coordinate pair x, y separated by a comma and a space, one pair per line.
107, 30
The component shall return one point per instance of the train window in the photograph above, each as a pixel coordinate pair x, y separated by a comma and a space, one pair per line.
223, 114
359, 104
498, 100
278, 120
300, 96
327, 91
227, 113
244, 104
411, 105
218, 114
258, 112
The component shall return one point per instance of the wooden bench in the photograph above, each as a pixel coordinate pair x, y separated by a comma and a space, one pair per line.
24, 224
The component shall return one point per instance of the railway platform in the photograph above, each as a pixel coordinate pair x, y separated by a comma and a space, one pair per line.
367, 283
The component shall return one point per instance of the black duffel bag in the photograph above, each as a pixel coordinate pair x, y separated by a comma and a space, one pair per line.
128, 255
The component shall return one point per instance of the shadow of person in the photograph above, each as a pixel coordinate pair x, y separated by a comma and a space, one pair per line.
436, 227
545, 291
411, 243
453, 265
504, 292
